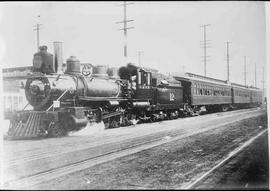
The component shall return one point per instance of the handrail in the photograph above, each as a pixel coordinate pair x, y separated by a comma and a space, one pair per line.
58, 98
25, 106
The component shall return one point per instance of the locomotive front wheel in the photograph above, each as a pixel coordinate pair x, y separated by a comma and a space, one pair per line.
57, 130
68, 125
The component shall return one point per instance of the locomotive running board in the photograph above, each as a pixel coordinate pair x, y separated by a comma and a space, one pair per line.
101, 98
111, 115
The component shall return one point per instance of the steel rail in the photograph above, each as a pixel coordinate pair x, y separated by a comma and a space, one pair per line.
40, 155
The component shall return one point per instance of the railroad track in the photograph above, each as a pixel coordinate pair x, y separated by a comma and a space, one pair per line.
246, 111
27, 181
232, 155
52, 152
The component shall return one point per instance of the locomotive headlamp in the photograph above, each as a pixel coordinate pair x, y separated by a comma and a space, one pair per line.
36, 87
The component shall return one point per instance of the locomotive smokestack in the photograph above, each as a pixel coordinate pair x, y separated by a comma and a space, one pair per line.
58, 57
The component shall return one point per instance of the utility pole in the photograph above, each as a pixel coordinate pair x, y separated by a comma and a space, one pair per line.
184, 68
139, 57
37, 28
263, 82
205, 46
245, 71
125, 28
228, 61
255, 75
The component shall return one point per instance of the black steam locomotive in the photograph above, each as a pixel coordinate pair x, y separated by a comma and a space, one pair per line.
65, 102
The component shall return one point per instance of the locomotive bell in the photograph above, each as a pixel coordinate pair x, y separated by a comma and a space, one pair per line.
113, 72
73, 65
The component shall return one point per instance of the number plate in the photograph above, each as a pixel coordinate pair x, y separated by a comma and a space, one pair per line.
56, 104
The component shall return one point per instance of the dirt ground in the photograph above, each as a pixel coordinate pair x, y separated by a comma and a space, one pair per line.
248, 170
172, 165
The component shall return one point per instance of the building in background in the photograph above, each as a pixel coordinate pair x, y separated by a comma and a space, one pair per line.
13, 93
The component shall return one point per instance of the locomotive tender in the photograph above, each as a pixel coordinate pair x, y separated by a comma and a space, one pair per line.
65, 102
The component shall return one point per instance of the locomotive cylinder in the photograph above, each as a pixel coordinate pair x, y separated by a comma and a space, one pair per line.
113, 72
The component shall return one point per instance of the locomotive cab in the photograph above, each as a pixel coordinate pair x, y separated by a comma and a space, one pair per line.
143, 85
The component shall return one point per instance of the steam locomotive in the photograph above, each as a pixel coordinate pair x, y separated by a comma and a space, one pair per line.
65, 102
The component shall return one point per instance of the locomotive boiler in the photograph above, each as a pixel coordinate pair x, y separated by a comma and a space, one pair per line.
41, 90
45, 85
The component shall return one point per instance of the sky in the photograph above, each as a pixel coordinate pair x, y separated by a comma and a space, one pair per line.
168, 33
